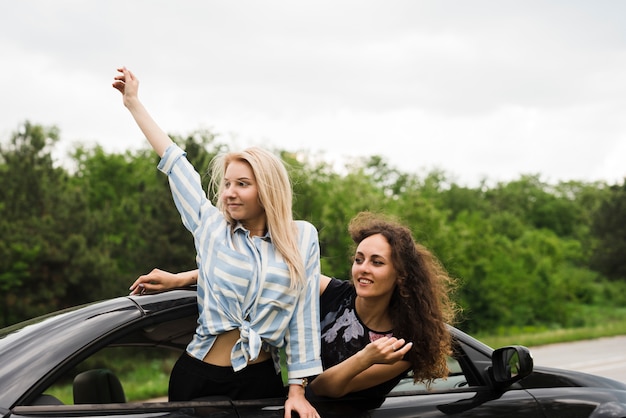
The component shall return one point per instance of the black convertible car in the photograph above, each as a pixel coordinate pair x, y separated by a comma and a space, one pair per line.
68, 346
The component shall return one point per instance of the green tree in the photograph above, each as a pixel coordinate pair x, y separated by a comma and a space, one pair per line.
135, 221
609, 229
522, 250
541, 205
329, 200
36, 219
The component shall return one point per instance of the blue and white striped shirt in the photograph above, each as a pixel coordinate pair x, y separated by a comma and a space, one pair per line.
244, 282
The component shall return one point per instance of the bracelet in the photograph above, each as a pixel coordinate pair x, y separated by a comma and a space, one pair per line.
300, 382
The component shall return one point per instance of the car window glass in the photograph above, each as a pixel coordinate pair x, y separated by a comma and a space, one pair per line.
142, 373
456, 379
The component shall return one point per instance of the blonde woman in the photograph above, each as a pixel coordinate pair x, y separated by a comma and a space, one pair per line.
390, 318
258, 273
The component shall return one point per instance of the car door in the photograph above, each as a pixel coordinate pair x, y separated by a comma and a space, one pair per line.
475, 402
466, 392
134, 410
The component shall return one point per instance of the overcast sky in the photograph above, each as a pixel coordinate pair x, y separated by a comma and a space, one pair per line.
479, 89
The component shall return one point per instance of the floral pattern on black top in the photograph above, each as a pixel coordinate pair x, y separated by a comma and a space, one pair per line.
344, 334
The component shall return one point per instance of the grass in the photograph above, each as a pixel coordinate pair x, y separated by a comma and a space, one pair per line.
533, 339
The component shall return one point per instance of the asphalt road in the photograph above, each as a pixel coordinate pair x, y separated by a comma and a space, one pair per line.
604, 356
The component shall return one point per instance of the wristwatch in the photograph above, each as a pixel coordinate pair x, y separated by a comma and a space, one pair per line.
300, 382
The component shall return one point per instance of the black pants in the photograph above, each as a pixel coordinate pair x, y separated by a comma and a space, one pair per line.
192, 378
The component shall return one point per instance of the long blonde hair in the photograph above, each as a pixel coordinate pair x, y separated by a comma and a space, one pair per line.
275, 196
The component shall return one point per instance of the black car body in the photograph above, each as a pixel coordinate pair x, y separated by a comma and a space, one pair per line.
483, 383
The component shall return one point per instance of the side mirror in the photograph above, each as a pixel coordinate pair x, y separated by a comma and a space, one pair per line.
510, 364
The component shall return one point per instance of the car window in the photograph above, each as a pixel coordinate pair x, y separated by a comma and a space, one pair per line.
456, 379
142, 373
133, 365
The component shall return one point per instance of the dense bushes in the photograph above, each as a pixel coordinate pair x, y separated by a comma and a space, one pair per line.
526, 253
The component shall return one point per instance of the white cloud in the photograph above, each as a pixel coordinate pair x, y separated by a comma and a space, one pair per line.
480, 89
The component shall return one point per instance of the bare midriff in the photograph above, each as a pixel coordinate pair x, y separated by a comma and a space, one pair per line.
219, 355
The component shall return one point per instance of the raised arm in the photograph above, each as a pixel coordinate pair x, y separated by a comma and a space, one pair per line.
377, 363
128, 85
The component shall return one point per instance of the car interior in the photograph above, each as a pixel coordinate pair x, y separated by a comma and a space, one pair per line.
97, 386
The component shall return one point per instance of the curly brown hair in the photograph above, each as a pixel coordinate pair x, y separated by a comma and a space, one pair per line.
421, 305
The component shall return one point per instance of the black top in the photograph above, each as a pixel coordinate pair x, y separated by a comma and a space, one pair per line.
344, 334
